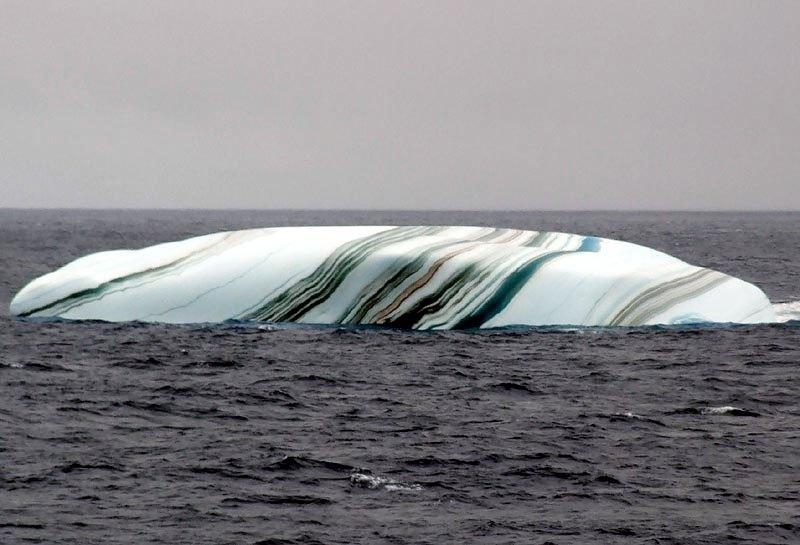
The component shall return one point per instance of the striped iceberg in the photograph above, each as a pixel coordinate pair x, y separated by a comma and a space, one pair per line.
418, 277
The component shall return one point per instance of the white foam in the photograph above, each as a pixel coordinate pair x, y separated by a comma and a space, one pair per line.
630, 415
720, 410
373, 482
785, 312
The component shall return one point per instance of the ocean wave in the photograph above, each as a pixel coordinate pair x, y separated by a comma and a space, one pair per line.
724, 410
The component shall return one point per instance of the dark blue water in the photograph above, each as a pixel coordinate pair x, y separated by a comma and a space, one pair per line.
135, 433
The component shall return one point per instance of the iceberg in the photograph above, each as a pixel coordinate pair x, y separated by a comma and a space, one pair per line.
417, 277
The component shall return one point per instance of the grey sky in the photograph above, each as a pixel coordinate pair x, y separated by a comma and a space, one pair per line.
437, 104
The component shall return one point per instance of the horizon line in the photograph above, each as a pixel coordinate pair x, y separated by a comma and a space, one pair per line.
436, 210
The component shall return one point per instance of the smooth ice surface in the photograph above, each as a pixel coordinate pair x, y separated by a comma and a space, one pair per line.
419, 277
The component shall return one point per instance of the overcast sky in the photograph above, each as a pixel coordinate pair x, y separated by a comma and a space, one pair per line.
434, 105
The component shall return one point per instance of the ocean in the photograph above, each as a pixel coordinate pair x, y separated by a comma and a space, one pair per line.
255, 433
